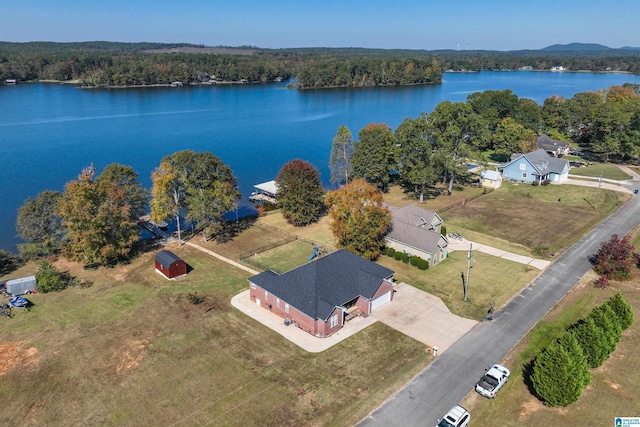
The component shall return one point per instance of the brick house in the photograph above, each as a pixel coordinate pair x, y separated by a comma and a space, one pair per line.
318, 296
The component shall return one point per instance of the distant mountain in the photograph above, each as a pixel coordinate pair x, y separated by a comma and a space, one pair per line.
576, 47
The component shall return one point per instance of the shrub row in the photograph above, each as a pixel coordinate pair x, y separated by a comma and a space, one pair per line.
414, 260
561, 372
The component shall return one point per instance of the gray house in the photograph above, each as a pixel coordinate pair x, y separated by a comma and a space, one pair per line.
416, 231
554, 147
536, 166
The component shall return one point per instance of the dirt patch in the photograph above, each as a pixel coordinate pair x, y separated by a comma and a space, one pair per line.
529, 406
129, 356
14, 355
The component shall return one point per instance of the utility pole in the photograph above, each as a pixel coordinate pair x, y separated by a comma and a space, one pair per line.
466, 282
598, 193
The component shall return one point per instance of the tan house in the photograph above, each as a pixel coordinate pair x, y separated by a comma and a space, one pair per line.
491, 179
417, 231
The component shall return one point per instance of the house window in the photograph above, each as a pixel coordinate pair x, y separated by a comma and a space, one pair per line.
278, 302
523, 166
524, 174
253, 286
334, 320
286, 307
266, 295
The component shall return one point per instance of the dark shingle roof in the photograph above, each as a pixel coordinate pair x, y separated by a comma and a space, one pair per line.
407, 225
548, 144
317, 287
166, 258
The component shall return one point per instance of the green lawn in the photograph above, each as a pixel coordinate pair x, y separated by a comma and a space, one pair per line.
491, 280
131, 350
608, 170
544, 219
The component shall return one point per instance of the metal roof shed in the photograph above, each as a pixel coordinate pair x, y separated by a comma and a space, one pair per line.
170, 265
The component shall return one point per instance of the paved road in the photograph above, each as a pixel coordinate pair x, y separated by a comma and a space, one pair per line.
447, 380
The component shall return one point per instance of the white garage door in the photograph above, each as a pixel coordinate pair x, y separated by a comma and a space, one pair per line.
382, 299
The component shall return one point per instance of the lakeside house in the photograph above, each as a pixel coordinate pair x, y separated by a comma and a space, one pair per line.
536, 167
320, 296
554, 147
417, 232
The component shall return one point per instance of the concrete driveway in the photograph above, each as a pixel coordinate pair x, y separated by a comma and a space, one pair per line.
423, 317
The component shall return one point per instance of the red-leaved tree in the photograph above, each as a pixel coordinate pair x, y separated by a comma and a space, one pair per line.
615, 258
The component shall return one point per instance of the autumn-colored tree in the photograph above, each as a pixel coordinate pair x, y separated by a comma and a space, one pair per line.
199, 184
615, 258
341, 155
101, 215
299, 192
359, 221
373, 159
40, 225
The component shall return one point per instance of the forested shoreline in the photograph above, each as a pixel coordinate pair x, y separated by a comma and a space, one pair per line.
107, 64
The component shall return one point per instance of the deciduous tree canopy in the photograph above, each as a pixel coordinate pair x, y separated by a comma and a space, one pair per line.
299, 192
101, 215
198, 184
359, 221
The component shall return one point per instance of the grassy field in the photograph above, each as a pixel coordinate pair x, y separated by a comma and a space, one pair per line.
131, 350
608, 170
491, 280
613, 391
544, 219
435, 201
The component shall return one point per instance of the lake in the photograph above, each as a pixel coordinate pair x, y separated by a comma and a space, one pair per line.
49, 132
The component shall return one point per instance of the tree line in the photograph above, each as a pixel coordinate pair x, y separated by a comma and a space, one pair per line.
436, 146
136, 64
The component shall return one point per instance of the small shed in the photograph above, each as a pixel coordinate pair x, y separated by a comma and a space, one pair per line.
491, 179
170, 265
21, 286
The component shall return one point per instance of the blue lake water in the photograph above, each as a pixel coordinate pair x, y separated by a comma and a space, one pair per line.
49, 132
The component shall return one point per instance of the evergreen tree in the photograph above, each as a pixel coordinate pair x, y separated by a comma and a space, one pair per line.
299, 192
592, 339
604, 317
341, 155
622, 309
560, 372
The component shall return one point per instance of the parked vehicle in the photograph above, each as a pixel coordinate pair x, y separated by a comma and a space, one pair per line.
493, 381
456, 417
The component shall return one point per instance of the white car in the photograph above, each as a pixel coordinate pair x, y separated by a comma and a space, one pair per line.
456, 417
493, 381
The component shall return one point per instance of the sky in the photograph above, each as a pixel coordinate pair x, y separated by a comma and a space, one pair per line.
409, 24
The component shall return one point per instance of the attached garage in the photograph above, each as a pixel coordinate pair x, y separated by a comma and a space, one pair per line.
170, 265
381, 300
